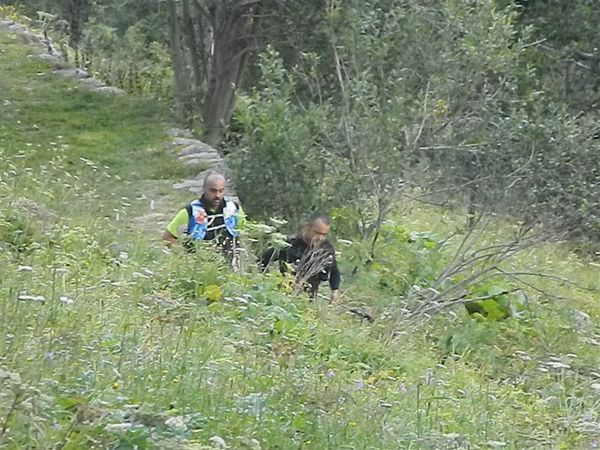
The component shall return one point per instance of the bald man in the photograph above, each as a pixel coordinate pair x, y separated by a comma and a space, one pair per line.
311, 257
210, 217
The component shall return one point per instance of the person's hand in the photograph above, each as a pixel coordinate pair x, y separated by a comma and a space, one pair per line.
335, 297
169, 239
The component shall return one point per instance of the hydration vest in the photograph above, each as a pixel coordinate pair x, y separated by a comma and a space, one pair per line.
200, 223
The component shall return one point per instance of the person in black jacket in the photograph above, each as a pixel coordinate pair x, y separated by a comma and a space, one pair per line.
310, 257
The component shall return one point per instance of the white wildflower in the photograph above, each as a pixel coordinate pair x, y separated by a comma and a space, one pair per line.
66, 300
557, 365
32, 298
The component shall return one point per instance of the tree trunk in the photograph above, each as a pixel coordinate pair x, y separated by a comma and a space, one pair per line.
232, 46
195, 55
76, 13
181, 90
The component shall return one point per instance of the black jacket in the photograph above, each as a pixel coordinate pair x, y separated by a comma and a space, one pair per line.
311, 265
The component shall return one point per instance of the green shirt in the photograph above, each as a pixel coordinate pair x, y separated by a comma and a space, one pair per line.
179, 224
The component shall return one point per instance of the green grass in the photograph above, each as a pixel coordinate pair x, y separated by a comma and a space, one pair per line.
130, 350
121, 132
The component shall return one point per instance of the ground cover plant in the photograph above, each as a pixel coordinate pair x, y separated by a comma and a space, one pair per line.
108, 341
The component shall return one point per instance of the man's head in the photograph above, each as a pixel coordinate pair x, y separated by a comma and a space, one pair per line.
316, 228
213, 189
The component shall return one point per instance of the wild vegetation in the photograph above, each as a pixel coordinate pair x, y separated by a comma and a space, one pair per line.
448, 168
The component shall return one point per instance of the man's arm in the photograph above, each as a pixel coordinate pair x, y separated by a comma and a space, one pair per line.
169, 238
179, 222
267, 257
335, 280
273, 254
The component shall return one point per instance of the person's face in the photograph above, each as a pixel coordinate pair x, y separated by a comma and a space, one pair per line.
214, 191
316, 231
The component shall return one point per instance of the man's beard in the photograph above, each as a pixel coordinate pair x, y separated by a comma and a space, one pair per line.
316, 244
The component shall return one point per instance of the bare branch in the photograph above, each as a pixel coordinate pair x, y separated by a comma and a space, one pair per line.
549, 276
313, 262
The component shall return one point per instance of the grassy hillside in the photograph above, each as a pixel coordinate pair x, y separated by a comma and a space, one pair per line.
110, 342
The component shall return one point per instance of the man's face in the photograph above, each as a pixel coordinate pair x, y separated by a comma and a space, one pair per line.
214, 191
316, 231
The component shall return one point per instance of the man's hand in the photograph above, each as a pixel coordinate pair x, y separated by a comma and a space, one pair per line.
169, 238
335, 297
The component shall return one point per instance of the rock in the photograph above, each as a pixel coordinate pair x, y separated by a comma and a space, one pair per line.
74, 73
16, 27
111, 90
194, 159
55, 60
193, 185
176, 423
179, 132
35, 212
183, 141
580, 319
250, 443
218, 442
198, 147
91, 83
